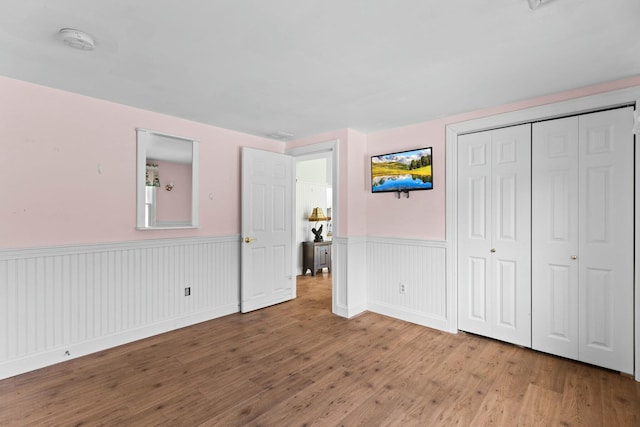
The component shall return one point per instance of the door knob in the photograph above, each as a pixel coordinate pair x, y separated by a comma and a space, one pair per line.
574, 256
248, 240
493, 250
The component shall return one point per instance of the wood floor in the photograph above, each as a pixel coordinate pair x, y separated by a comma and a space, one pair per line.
296, 364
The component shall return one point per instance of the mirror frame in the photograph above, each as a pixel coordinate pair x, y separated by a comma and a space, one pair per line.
143, 139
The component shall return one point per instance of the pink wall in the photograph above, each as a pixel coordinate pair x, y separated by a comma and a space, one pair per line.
354, 196
174, 205
422, 216
68, 169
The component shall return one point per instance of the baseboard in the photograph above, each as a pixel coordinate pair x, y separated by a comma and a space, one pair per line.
63, 354
349, 312
409, 316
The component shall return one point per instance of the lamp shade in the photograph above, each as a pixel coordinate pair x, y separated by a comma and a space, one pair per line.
317, 215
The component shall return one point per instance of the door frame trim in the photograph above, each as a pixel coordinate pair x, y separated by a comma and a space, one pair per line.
331, 147
580, 105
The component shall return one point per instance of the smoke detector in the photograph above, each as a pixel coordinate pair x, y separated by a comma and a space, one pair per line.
77, 39
281, 135
533, 4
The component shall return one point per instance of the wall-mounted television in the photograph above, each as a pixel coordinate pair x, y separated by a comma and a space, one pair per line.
402, 171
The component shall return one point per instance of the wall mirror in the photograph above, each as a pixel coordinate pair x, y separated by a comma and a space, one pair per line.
166, 181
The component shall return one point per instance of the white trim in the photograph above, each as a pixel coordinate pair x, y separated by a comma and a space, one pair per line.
636, 249
348, 287
142, 144
20, 253
195, 184
408, 242
155, 132
323, 147
451, 213
169, 226
416, 317
572, 106
558, 109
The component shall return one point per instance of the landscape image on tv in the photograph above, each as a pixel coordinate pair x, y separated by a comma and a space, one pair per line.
403, 171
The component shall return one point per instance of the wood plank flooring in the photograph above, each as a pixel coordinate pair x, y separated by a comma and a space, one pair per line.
296, 364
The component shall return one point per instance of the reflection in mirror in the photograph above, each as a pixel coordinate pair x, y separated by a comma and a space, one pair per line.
167, 181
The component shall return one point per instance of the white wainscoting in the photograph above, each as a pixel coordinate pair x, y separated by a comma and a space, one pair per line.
349, 286
58, 303
421, 267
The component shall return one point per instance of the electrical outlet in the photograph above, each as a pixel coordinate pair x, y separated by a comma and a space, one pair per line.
402, 288
187, 291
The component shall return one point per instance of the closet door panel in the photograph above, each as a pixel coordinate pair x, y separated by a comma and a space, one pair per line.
506, 280
511, 231
600, 297
606, 246
474, 227
477, 289
554, 287
494, 203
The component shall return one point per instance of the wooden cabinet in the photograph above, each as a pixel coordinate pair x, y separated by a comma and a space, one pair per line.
316, 256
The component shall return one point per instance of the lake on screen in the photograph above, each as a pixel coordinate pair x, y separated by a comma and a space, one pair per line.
402, 182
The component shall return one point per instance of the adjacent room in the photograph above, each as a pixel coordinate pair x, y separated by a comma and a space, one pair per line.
320, 213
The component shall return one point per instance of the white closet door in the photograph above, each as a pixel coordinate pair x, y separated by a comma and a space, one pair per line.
494, 277
554, 227
582, 253
475, 306
606, 221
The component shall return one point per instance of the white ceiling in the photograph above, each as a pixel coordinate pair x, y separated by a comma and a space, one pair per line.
305, 67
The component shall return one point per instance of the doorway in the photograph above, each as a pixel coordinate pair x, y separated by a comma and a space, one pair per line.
314, 191
316, 187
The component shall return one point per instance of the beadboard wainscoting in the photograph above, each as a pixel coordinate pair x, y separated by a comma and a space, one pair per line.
59, 303
406, 279
349, 285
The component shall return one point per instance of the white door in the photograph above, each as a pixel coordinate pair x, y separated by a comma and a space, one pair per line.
605, 255
494, 235
267, 275
582, 257
554, 227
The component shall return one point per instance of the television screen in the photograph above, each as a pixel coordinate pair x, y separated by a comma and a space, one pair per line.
403, 171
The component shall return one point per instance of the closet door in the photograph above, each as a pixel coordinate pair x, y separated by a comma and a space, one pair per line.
582, 245
494, 205
554, 228
475, 305
606, 223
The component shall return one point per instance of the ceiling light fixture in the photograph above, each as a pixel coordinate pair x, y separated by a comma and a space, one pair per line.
77, 39
533, 4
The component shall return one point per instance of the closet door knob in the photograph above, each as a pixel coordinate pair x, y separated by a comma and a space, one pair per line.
574, 256
492, 250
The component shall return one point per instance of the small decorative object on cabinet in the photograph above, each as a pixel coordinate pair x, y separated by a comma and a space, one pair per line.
316, 216
316, 256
